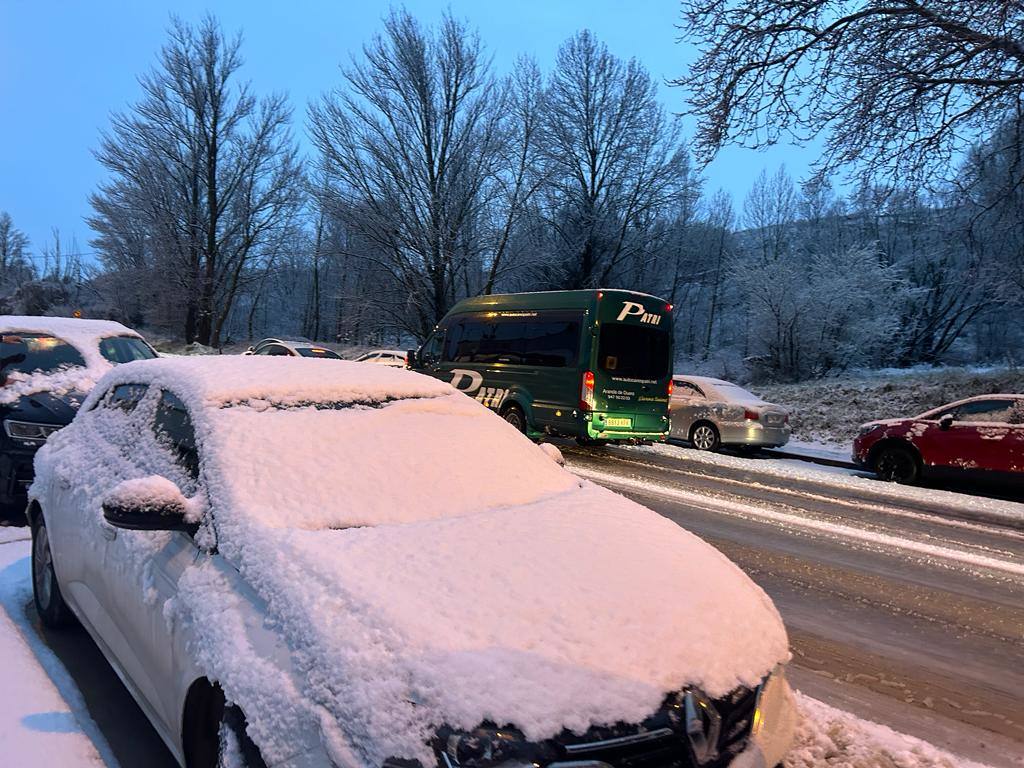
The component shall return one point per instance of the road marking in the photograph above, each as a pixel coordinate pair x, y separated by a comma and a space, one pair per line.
836, 529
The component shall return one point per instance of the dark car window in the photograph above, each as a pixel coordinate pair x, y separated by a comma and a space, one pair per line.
125, 396
994, 411
319, 352
125, 349
174, 430
634, 352
273, 349
31, 352
547, 340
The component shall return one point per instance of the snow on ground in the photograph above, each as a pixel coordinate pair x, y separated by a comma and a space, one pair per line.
830, 410
42, 719
969, 506
836, 739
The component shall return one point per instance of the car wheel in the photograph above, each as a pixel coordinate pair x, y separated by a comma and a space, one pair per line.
220, 739
704, 437
897, 464
514, 415
50, 604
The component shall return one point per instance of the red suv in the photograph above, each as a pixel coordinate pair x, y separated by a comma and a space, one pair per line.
982, 436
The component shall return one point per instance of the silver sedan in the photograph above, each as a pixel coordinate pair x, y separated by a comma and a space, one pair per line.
710, 413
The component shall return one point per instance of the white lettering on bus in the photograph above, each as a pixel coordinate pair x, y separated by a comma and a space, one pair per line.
632, 309
474, 380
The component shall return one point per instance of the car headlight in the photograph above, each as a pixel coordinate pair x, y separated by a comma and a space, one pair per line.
28, 431
485, 747
775, 717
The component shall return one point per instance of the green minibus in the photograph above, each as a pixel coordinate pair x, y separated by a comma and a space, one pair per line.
595, 365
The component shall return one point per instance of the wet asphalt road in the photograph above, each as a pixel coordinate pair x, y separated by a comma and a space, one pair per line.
910, 613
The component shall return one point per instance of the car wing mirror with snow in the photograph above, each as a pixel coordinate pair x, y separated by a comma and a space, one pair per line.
946, 421
149, 504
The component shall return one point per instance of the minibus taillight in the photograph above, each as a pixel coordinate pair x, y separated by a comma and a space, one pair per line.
587, 392
670, 387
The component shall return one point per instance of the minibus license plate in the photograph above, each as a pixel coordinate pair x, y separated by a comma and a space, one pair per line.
618, 421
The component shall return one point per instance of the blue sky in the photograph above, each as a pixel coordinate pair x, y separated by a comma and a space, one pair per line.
65, 66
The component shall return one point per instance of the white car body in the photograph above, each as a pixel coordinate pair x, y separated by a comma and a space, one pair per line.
349, 624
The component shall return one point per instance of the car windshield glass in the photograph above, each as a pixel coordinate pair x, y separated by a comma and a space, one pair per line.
124, 349
36, 352
318, 352
633, 352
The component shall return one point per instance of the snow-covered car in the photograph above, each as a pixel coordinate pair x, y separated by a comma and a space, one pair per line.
980, 437
279, 584
709, 413
47, 366
291, 348
392, 357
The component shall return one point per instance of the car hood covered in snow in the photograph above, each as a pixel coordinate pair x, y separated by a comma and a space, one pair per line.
582, 608
423, 564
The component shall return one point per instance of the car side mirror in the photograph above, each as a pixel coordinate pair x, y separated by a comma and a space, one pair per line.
149, 504
552, 453
412, 358
946, 421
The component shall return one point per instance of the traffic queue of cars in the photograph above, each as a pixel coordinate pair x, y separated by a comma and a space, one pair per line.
282, 607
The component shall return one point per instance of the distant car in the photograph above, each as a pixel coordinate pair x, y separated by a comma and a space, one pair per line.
277, 586
710, 413
981, 437
47, 367
291, 348
393, 357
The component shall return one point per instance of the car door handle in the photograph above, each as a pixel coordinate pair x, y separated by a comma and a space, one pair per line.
109, 532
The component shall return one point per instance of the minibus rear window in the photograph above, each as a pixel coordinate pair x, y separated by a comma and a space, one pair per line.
634, 352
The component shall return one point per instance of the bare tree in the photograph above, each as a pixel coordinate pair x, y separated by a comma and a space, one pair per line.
411, 145
14, 262
203, 176
616, 160
898, 87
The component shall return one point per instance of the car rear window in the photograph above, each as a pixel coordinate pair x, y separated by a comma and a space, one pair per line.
318, 352
634, 352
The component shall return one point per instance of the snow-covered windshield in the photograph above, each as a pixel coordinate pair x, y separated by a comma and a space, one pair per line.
337, 466
36, 353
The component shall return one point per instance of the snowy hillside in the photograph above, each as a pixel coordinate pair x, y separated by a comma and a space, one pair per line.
830, 410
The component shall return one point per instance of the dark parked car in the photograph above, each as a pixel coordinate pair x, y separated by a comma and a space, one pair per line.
981, 437
282, 347
47, 367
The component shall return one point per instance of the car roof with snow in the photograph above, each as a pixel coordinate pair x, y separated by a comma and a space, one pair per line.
228, 379
74, 330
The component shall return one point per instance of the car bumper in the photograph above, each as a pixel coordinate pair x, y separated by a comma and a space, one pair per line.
754, 434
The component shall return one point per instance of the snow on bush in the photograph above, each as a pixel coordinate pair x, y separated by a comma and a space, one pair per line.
83, 335
421, 562
830, 738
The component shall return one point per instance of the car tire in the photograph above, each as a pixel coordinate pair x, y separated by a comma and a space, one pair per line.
704, 436
897, 464
514, 415
50, 605
220, 738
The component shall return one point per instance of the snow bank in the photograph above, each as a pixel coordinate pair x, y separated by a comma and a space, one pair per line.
423, 562
83, 335
830, 738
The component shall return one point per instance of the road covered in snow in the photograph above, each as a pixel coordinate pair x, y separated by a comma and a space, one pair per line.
904, 605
